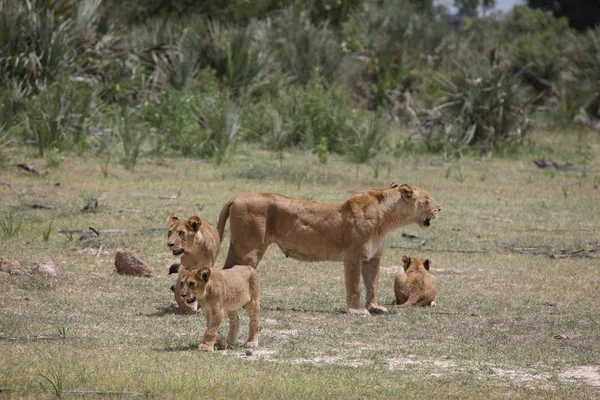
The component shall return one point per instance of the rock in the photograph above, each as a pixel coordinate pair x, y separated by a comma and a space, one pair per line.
126, 263
12, 267
46, 269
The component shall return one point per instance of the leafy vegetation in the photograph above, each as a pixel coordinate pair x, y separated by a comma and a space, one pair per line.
198, 79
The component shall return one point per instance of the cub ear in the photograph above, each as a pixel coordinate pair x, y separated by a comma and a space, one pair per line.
406, 191
427, 263
171, 219
394, 185
194, 223
406, 262
204, 274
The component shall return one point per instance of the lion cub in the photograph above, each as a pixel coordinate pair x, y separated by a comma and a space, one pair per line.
414, 285
223, 290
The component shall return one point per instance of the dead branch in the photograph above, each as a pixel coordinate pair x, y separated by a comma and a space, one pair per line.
30, 169
33, 338
11, 187
444, 250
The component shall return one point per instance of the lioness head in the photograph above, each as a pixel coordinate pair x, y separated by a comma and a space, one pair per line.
413, 265
193, 283
181, 233
425, 207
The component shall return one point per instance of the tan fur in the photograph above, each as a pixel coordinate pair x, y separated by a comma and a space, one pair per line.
197, 242
352, 231
227, 290
414, 285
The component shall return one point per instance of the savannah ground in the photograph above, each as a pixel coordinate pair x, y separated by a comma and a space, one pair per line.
515, 255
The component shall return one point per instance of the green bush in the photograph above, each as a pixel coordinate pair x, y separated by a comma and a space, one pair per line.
60, 116
537, 42
582, 78
482, 105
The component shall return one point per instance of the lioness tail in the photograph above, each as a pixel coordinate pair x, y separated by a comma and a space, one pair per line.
223, 218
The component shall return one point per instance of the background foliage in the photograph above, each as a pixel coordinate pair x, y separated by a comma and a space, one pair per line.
197, 78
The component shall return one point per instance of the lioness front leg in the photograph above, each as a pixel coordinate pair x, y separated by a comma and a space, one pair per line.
352, 281
213, 321
370, 275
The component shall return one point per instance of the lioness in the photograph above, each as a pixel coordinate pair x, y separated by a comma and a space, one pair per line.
224, 290
352, 231
197, 242
414, 285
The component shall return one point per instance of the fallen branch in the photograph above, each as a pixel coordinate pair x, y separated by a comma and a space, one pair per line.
11, 187
32, 338
30, 169
444, 250
103, 392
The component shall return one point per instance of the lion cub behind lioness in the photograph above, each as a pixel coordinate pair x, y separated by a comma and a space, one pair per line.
414, 285
223, 290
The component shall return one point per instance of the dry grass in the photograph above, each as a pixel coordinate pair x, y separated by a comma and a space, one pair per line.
507, 324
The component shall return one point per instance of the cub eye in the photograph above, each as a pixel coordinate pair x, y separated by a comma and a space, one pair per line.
181, 234
191, 284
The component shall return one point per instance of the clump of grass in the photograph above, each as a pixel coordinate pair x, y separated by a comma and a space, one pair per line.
10, 227
47, 232
56, 377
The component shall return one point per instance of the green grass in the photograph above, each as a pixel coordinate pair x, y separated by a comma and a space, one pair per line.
510, 321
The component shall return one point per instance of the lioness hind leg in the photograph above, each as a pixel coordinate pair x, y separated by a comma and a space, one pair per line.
234, 327
253, 309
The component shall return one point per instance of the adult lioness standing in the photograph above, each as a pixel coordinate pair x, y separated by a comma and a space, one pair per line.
352, 231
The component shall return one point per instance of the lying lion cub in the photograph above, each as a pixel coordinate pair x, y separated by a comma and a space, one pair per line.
197, 242
414, 285
223, 290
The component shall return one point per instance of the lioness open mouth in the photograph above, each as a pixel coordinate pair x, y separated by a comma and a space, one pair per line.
178, 252
190, 301
427, 222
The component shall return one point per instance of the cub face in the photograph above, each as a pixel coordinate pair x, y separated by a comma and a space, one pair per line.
193, 283
182, 233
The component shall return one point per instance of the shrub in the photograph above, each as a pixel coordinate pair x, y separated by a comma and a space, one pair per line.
537, 42
482, 104
60, 116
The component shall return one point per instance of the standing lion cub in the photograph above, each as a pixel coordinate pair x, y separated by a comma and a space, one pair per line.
414, 285
227, 290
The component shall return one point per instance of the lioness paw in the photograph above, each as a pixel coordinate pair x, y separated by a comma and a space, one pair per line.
358, 311
206, 347
251, 345
378, 310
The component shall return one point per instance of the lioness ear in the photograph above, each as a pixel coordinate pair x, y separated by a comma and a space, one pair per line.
406, 262
194, 223
406, 191
171, 219
427, 264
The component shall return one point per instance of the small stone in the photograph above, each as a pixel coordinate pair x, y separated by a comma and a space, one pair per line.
13, 267
47, 269
249, 352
